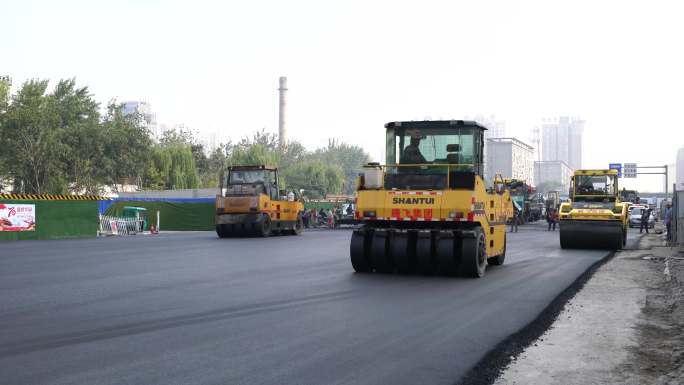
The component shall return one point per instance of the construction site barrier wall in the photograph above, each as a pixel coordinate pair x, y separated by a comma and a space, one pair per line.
308, 205
174, 215
104, 205
170, 194
56, 219
52, 197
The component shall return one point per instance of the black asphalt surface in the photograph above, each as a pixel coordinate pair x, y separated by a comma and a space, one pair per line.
189, 308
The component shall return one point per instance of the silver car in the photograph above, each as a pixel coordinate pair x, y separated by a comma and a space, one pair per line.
635, 217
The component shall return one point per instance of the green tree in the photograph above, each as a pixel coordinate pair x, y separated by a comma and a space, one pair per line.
4, 94
127, 146
57, 142
292, 154
206, 174
177, 136
216, 163
158, 169
267, 140
172, 167
4, 102
315, 177
31, 137
319, 173
252, 155
350, 159
82, 135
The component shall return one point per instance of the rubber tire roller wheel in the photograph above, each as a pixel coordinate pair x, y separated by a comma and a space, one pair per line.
474, 255
565, 243
424, 264
298, 226
447, 261
400, 249
264, 227
379, 252
220, 232
619, 241
358, 251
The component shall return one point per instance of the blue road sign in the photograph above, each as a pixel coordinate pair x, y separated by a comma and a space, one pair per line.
616, 166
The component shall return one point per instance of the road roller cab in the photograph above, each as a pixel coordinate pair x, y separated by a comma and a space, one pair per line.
595, 217
252, 203
428, 208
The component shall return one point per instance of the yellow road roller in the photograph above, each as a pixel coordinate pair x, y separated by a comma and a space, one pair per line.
428, 209
595, 218
253, 204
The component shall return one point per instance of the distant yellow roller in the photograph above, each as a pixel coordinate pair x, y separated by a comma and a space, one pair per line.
252, 203
595, 218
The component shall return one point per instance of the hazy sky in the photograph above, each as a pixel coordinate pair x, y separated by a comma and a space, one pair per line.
354, 65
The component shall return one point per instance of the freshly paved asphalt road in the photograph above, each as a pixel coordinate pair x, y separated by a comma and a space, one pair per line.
193, 309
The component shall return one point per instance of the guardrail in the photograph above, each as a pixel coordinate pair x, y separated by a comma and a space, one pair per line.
120, 226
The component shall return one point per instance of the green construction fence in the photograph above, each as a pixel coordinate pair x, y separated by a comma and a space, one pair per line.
173, 216
58, 219
325, 205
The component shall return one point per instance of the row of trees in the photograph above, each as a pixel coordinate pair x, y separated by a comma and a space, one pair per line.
57, 141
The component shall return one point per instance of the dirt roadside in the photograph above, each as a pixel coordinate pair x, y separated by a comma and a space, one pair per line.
626, 326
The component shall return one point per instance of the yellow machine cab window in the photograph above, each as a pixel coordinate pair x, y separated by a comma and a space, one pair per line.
453, 145
595, 185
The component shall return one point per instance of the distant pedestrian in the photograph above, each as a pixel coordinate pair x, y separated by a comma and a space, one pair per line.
322, 217
645, 216
313, 217
337, 215
551, 219
331, 218
667, 218
516, 217
305, 218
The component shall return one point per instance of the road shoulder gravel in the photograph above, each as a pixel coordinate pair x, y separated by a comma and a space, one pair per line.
624, 326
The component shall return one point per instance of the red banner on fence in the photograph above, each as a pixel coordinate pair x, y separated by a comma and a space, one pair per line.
16, 217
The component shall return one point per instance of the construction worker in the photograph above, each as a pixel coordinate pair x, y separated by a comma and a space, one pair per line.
645, 216
516, 218
412, 154
552, 218
313, 217
322, 217
330, 216
667, 218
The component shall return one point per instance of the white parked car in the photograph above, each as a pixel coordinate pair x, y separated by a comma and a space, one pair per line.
635, 216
